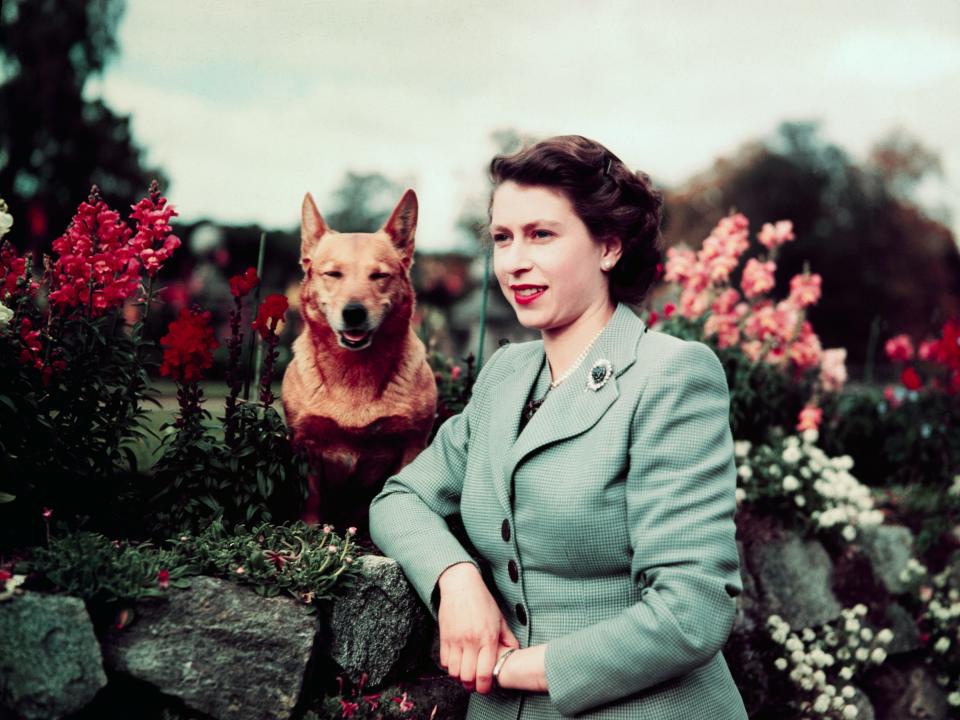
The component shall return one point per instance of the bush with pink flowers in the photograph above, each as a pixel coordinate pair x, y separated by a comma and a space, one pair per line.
777, 370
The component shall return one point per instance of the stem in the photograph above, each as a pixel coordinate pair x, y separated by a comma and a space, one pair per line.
256, 308
483, 308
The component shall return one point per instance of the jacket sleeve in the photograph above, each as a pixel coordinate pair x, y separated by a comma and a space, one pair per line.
680, 497
407, 517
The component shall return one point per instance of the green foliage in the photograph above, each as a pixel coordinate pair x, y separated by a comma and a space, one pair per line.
258, 477
908, 443
90, 566
295, 559
454, 385
69, 434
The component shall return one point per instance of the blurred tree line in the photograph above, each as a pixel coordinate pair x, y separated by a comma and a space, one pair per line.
888, 264
54, 142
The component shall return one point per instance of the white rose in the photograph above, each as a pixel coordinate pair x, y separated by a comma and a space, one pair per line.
878, 655
780, 663
885, 636
741, 448
740, 495
792, 454
6, 315
942, 645
745, 472
954, 698
800, 500
790, 483
850, 712
6, 222
821, 704
849, 533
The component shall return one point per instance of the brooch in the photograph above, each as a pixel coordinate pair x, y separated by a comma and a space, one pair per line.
601, 371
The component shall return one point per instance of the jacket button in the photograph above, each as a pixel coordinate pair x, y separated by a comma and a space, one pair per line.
514, 573
505, 530
521, 614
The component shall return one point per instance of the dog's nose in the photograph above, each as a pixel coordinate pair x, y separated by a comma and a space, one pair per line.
354, 314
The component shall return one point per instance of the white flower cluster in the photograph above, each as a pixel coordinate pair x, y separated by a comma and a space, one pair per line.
802, 471
819, 661
6, 219
6, 315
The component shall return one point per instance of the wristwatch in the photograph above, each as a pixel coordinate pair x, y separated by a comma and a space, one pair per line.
499, 665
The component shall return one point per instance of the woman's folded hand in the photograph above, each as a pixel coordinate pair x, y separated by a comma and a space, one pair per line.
472, 628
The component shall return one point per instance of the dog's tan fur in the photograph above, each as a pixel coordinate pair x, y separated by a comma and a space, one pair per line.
362, 414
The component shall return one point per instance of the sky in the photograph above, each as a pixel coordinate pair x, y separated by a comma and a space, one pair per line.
249, 105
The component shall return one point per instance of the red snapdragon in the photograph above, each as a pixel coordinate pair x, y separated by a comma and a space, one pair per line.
188, 346
241, 285
269, 314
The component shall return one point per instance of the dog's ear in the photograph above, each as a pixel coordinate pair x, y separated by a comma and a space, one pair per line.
312, 228
402, 226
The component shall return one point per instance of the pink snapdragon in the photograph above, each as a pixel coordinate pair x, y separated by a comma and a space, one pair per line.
805, 289
833, 369
772, 236
757, 277
899, 348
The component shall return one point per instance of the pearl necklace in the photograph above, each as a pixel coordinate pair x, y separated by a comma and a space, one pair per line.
577, 362
533, 405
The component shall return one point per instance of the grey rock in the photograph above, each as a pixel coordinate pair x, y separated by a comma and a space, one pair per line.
379, 627
889, 547
906, 689
795, 579
50, 661
905, 635
219, 647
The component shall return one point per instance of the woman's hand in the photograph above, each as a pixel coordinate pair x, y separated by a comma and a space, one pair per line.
472, 628
524, 669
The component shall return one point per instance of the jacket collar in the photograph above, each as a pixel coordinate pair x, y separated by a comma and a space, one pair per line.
570, 409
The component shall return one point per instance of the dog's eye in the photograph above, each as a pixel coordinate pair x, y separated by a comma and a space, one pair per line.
333, 273
378, 275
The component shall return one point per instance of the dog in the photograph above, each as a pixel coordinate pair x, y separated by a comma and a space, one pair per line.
358, 394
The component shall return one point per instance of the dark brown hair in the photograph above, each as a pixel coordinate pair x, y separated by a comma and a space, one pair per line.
608, 197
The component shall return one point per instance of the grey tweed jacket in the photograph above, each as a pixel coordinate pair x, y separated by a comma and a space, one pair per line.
606, 526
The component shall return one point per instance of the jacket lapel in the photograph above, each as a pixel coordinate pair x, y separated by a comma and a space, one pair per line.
569, 409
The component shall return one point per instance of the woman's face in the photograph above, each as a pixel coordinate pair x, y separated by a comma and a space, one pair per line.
540, 243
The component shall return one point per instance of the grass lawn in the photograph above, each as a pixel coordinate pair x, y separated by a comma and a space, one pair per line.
214, 394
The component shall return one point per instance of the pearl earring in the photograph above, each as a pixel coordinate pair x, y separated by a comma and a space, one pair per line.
606, 265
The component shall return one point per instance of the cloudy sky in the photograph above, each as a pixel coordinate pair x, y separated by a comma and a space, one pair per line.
248, 105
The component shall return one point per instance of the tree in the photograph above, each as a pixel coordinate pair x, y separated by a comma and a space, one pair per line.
887, 265
54, 143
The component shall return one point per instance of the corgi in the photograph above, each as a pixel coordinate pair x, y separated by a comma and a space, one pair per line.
358, 394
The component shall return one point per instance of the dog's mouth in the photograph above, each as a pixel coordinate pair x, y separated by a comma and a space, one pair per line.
355, 339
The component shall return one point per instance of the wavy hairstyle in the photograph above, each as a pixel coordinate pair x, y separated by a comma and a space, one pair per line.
608, 197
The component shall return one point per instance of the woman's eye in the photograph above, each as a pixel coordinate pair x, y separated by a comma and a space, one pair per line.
546, 233
498, 236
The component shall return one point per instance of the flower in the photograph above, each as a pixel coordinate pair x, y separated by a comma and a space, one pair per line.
899, 348
6, 221
163, 578
241, 285
270, 313
6, 315
47, 512
833, 370
805, 289
773, 235
910, 379
154, 240
348, 707
188, 346
809, 418
405, 704
757, 277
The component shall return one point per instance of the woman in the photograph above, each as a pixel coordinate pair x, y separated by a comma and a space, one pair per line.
593, 471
